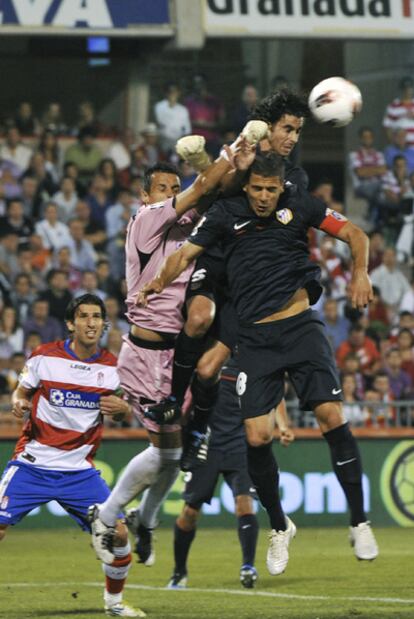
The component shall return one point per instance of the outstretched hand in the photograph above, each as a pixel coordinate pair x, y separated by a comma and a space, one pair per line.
152, 287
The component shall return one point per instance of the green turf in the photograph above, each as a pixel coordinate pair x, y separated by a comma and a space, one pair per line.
323, 579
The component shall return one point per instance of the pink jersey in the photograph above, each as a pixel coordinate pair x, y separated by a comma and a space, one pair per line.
152, 235
65, 426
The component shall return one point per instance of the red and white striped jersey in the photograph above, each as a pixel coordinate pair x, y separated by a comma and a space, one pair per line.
65, 427
365, 157
399, 115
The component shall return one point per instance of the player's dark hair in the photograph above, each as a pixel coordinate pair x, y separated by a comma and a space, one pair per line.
85, 299
166, 168
267, 165
277, 104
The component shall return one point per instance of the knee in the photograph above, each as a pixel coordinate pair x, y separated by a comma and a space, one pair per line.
329, 415
3, 529
198, 322
208, 368
258, 437
121, 534
244, 505
187, 520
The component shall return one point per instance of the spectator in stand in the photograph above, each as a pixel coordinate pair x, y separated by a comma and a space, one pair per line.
372, 406
22, 296
85, 154
378, 314
105, 282
9, 263
407, 301
352, 365
46, 186
337, 327
367, 166
57, 294
54, 233
206, 113
50, 149
40, 255
52, 119
376, 250
98, 200
405, 345
120, 152
172, 118
89, 285
107, 169
15, 222
10, 186
94, 232
62, 262
10, 329
25, 120
32, 341
399, 146
150, 146
40, 321
395, 186
114, 320
401, 383
384, 415
335, 275
118, 215
13, 150
16, 366
139, 163
390, 280
400, 112
31, 196
25, 259
87, 119
83, 255
248, 100
66, 199
71, 169
363, 347
354, 412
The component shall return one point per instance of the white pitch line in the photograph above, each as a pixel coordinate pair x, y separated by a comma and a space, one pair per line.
290, 596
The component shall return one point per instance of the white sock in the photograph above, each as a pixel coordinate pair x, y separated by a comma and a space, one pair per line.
155, 495
139, 473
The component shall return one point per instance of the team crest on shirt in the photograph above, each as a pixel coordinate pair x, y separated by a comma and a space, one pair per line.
338, 216
285, 215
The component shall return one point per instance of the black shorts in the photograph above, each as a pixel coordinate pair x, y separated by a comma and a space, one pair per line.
297, 345
209, 280
201, 482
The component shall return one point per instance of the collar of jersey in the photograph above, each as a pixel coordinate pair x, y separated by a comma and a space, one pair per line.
75, 356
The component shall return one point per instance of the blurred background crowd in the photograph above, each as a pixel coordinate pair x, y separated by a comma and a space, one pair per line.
67, 192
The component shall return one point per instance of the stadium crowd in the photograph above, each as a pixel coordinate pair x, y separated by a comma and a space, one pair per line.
65, 202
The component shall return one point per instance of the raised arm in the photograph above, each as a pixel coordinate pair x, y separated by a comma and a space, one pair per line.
172, 267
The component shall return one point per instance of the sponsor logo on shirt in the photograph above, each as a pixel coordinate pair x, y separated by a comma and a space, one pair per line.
80, 366
285, 215
74, 399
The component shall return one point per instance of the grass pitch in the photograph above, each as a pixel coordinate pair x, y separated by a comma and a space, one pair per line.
54, 575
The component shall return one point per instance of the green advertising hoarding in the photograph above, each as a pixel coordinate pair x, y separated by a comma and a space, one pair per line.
310, 492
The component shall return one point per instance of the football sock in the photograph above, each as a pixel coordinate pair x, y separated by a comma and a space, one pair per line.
139, 473
116, 573
204, 399
182, 543
154, 496
248, 530
264, 474
347, 465
188, 350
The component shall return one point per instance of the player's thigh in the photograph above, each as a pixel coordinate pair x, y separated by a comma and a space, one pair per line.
22, 488
236, 475
200, 483
311, 364
78, 491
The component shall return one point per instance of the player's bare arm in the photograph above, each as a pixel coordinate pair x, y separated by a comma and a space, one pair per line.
286, 434
21, 401
173, 266
113, 405
361, 288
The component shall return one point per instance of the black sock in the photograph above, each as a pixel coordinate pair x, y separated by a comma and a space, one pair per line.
204, 399
346, 463
248, 530
182, 543
264, 474
188, 350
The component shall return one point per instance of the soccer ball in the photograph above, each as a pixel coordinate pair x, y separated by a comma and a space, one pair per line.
335, 101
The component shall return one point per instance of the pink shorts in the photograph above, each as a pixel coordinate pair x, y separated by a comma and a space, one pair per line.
146, 374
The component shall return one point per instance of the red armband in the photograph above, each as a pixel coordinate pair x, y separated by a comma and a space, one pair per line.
333, 222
